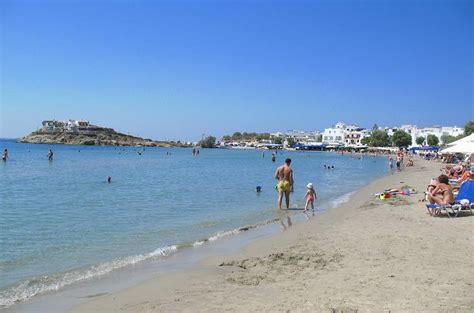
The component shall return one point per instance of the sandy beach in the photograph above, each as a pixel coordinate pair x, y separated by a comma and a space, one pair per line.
366, 255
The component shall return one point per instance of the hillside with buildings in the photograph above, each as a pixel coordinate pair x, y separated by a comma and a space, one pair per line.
74, 132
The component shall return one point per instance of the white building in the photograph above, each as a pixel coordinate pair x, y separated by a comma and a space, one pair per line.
298, 135
65, 126
335, 135
438, 131
343, 134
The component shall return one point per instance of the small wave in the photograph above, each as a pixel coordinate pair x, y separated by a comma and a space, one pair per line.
341, 199
235, 231
40, 285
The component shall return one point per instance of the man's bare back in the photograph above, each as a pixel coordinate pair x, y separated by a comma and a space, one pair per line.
284, 172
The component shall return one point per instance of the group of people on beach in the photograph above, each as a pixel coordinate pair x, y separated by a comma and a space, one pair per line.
441, 190
400, 161
285, 186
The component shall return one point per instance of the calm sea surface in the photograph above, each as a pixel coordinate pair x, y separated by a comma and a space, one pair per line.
60, 222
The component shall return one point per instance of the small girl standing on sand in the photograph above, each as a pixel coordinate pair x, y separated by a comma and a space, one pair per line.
310, 196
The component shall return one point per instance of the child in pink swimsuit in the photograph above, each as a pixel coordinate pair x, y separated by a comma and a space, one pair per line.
310, 196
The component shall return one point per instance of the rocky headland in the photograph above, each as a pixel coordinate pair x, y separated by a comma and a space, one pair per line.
54, 132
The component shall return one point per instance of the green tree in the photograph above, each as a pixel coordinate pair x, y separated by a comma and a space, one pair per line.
401, 138
262, 136
291, 141
380, 138
365, 141
227, 138
420, 140
445, 139
432, 140
236, 136
208, 142
468, 128
278, 140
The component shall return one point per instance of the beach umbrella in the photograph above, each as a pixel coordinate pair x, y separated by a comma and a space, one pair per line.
469, 138
465, 146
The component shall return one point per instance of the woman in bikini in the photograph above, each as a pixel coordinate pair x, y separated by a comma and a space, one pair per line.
442, 194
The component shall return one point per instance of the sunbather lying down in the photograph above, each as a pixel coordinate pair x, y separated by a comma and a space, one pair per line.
442, 194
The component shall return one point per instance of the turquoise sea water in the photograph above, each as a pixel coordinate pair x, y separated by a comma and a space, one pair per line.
61, 222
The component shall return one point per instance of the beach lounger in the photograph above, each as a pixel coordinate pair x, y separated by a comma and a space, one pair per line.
464, 201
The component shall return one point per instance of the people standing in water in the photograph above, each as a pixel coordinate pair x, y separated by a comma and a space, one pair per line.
273, 157
310, 196
5, 155
194, 151
50, 155
284, 175
109, 179
390, 164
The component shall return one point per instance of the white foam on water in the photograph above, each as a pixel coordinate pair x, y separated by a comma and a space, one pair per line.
224, 234
43, 284
341, 199
199, 243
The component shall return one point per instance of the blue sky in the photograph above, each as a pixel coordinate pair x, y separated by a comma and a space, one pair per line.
180, 69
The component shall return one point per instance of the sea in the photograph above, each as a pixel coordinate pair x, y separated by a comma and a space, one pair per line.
62, 223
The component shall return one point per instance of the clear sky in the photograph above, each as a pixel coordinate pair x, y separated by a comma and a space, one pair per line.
180, 69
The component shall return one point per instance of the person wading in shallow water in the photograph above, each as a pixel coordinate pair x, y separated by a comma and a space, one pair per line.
5, 155
50, 155
284, 174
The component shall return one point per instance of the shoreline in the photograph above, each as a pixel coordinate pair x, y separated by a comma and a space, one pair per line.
341, 260
119, 267
48, 285
101, 270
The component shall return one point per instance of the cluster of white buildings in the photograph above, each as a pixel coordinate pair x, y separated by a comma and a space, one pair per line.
438, 131
69, 126
351, 135
298, 135
344, 134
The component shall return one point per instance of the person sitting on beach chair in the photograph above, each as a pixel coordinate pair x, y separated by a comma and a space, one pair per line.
464, 201
441, 195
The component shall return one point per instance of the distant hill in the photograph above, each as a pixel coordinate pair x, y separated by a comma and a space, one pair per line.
82, 133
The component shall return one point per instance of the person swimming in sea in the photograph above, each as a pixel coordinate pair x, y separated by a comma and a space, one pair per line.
258, 189
5, 155
109, 179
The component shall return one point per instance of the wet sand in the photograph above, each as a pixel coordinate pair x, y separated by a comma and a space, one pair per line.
365, 255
